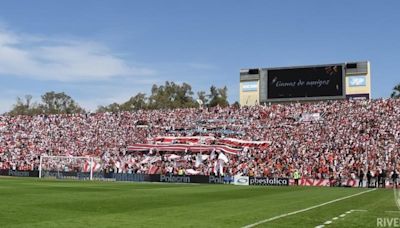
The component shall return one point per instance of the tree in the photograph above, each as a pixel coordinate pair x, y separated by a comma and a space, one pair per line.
114, 107
52, 103
236, 104
218, 96
158, 98
24, 107
139, 101
201, 95
58, 103
396, 92
171, 95
183, 97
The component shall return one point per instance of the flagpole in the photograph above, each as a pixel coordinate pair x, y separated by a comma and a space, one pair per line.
91, 168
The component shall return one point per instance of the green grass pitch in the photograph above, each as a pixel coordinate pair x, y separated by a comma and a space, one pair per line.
31, 202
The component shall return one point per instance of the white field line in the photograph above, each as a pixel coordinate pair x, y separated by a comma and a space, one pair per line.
305, 209
342, 216
396, 196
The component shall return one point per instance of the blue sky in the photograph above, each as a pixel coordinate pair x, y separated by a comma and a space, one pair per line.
101, 52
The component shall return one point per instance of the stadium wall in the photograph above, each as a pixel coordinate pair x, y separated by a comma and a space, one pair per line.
250, 87
199, 179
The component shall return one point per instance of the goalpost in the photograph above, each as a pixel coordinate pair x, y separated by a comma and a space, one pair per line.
67, 166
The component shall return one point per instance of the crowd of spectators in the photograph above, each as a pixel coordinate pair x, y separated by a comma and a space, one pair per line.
347, 137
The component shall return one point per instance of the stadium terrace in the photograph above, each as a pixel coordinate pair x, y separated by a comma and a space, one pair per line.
341, 139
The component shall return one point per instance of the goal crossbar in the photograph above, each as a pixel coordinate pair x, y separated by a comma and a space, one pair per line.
66, 157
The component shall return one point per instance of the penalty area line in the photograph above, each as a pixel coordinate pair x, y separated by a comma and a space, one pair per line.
305, 209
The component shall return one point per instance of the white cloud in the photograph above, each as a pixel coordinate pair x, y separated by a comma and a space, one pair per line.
61, 60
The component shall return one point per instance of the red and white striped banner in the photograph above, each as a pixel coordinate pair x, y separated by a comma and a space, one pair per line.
208, 139
95, 166
183, 148
243, 143
182, 140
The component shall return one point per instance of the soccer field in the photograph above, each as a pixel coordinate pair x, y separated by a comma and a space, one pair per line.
30, 202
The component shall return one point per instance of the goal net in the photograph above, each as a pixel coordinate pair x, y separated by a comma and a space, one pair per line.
67, 167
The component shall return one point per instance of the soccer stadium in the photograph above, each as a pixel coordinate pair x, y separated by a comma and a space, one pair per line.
299, 140
275, 166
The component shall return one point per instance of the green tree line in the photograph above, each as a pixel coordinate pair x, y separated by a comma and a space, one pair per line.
51, 103
171, 96
168, 96
396, 91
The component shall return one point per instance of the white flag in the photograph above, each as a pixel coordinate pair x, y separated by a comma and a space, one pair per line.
192, 172
221, 167
212, 155
223, 157
199, 160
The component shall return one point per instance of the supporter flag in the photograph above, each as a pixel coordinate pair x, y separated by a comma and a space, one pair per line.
117, 166
221, 167
146, 160
154, 169
192, 172
215, 169
155, 159
95, 166
311, 117
173, 157
212, 155
223, 157
199, 160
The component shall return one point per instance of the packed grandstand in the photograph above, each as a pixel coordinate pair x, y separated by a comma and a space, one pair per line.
322, 140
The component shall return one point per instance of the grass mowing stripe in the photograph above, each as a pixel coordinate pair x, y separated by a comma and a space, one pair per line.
305, 209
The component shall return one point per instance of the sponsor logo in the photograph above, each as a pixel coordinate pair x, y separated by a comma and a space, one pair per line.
86, 176
129, 177
18, 173
268, 181
175, 179
219, 180
241, 180
215, 180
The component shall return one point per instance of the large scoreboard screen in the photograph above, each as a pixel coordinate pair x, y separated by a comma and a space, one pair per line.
309, 82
